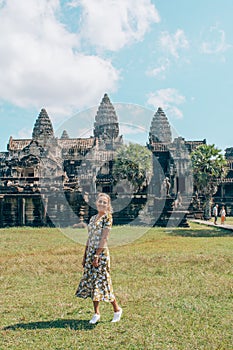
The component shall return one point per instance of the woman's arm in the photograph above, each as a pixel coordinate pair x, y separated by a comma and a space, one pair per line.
103, 241
102, 245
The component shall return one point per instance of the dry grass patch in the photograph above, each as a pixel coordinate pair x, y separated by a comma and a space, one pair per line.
175, 287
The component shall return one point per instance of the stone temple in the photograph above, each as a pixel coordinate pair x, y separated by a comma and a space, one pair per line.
47, 180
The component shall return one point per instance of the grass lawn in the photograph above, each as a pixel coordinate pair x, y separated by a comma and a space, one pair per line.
174, 285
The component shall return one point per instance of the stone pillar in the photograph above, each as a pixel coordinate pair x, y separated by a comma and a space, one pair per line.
44, 204
1, 210
21, 211
13, 210
29, 212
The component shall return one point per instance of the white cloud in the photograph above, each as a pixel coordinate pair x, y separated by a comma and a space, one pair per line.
169, 99
112, 24
215, 41
41, 64
73, 4
160, 70
172, 43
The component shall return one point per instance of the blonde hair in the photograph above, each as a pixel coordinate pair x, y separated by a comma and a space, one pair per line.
102, 194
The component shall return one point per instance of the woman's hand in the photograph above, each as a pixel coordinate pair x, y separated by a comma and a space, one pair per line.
95, 262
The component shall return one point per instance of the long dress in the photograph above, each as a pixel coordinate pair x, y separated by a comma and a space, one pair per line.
96, 281
223, 215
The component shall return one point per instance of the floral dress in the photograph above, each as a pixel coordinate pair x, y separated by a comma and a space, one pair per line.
96, 281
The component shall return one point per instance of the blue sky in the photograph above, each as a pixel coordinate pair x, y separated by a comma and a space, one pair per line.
64, 55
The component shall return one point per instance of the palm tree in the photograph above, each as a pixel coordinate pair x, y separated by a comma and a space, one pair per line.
209, 167
134, 163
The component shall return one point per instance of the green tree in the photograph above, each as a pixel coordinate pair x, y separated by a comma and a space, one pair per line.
209, 166
134, 163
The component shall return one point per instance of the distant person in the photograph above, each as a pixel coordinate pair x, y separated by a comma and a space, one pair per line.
166, 185
215, 213
223, 214
178, 200
96, 281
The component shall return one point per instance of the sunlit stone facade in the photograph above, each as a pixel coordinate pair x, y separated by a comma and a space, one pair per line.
49, 180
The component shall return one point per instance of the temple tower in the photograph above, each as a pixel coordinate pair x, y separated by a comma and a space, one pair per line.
43, 129
106, 131
106, 124
65, 135
160, 139
160, 130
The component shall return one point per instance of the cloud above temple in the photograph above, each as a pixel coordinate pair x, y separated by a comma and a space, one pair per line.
111, 25
215, 42
174, 43
160, 70
171, 48
169, 99
41, 62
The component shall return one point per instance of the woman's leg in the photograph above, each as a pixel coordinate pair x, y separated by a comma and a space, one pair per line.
96, 307
117, 311
96, 316
115, 306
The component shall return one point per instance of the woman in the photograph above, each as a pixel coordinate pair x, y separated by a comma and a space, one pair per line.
223, 215
96, 281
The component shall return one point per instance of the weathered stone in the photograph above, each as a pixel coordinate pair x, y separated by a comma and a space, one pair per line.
64, 135
50, 181
43, 129
160, 130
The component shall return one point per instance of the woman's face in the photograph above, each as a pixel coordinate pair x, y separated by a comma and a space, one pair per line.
102, 204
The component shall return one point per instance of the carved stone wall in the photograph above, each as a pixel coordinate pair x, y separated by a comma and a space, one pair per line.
43, 180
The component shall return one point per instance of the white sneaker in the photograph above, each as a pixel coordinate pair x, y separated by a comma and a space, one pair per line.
117, 316
95, 319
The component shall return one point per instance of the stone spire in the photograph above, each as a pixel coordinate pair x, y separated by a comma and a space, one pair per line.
106, 121
43, 128
160, 130
65, 135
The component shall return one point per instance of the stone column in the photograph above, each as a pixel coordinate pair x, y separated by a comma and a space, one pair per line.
44, 204
21, 211
13, 210
29, 211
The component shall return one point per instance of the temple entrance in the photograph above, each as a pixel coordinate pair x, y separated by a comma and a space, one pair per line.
180, 184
